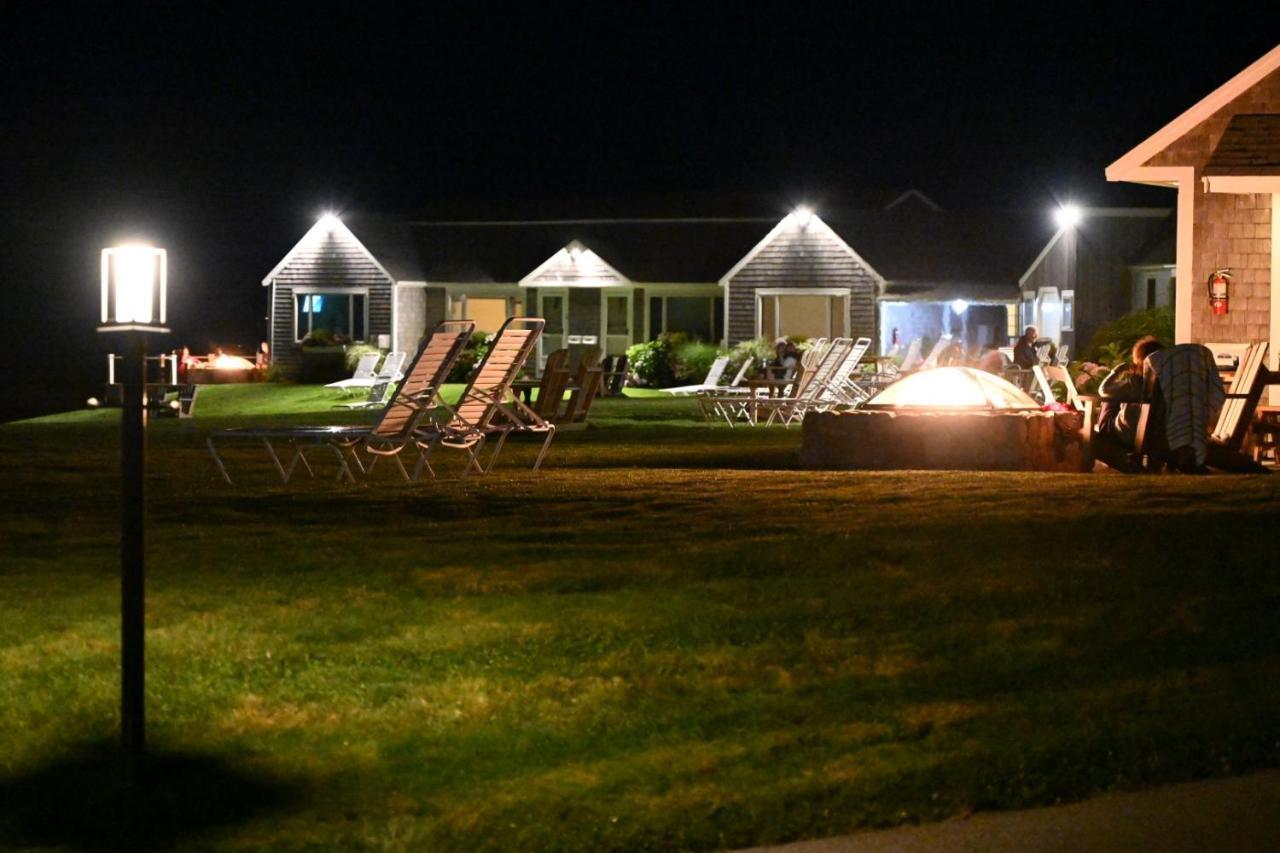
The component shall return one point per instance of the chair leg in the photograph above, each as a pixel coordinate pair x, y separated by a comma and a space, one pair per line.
399, 465
271, 451
217, 460
546, 445
343, 469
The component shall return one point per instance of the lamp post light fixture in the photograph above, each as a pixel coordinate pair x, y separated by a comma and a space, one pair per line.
134, 292
1068, 216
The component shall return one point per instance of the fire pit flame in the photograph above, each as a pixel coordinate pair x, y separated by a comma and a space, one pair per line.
951, 388
222, 361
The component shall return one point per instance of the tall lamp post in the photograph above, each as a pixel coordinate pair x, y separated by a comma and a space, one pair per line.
134, 285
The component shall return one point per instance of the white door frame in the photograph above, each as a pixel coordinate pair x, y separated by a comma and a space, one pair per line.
605, 294
563, 293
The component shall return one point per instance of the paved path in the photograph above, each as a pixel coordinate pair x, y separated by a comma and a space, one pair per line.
1241, 814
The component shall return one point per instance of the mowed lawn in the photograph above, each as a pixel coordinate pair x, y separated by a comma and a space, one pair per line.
668, 638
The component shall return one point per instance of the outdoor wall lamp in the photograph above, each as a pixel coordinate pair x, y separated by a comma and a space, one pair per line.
803, 214
1068, 216
134, 294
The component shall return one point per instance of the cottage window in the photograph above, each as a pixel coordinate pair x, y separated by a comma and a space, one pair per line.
803, 313
698, 317
1068, 310
341, 312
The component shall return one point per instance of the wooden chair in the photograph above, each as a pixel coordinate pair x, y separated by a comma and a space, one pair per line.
586, 385
488, 407
1225, 449
555, 378
392, 431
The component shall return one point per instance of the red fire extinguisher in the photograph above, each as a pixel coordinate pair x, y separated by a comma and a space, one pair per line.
1219, 287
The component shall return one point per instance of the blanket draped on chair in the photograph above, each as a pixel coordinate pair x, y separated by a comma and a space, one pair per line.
1188, 382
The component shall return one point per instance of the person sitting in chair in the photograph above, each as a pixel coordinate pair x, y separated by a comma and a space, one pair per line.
1024, 350
1122, 394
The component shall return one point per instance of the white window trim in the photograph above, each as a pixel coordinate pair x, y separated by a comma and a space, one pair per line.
846, 292
324, 291
663, 297
1068, 325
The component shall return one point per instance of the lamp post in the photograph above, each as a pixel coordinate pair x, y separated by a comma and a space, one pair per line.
134, 285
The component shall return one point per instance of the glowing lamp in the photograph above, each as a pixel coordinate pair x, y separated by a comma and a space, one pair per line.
959, 306
802, 215
329, 221
134, 289
1068, 216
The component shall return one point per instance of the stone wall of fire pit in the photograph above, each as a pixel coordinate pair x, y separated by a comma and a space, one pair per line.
957, 440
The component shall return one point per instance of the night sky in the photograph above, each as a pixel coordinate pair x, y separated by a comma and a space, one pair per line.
222, 135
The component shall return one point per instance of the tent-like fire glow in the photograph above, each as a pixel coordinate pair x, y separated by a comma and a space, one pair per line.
222, 361
954, 388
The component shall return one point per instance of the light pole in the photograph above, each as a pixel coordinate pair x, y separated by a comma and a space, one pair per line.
134, 285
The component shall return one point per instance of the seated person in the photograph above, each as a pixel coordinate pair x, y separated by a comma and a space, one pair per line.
993, 361
1024, 349
1122, 393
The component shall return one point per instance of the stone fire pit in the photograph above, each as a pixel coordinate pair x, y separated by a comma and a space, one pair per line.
971, 441
948, 418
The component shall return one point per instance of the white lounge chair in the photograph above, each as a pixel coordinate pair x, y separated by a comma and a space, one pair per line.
912, 359
705, 402
710, 383
936, 352
366, 367
389, 372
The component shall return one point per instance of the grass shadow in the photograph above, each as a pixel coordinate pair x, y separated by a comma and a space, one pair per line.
82, 800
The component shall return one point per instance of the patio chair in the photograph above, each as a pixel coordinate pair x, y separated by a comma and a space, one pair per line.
844, 390
555, 378
586, 387
1063, 359
706, 402
615, 376
1043, 348
709, 383
809, 389
391, 431
932, 360
1185, 397
366, 367
912, 360
487, 406
1047, 374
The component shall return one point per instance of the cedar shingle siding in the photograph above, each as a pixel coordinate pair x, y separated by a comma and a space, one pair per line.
803, 258
329, 261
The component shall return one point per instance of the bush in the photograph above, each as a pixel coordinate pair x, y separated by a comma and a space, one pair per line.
649, 363
693, 360
1117, 337
760, 349
357, 351
472, 354
324, 338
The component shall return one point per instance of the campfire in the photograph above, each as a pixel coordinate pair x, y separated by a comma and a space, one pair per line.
948, 418
220, 368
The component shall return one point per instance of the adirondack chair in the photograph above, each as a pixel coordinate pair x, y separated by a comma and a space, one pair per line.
586, 385
1224, 446
555, 378
614, 376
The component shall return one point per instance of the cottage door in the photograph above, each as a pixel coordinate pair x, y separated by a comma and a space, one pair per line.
553, 306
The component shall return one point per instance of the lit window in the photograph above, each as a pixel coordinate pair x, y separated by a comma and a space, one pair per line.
339, 312
1068, 310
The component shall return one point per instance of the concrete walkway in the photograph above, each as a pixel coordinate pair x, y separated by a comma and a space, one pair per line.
1241, 814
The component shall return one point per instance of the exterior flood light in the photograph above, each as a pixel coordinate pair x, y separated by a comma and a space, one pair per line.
1068, 216
959, 306
134, 289
330, 221
803, 214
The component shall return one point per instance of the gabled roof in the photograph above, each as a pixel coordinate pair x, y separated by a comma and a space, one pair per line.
1249, 146
910, 243
1126, 168
328, 228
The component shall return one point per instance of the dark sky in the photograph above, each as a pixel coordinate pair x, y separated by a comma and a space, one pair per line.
221, 131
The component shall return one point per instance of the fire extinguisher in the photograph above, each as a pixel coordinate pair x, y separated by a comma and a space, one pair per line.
1219, 283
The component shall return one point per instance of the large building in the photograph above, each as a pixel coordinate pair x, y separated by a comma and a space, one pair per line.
1223, 158
899, 271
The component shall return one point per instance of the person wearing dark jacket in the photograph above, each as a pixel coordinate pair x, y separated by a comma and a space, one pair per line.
1122, 392
1024, 350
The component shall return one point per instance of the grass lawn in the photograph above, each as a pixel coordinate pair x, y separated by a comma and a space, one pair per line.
670, 637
